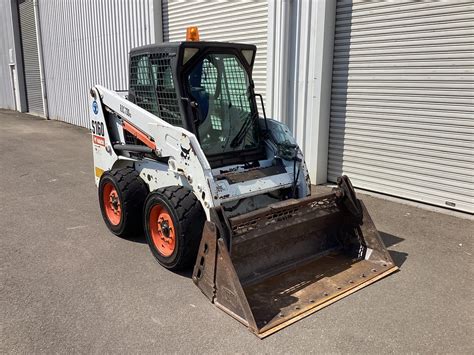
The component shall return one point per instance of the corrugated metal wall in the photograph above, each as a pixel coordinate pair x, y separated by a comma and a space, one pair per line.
29, 44
7, 99
87, 43
227, 21
402, 118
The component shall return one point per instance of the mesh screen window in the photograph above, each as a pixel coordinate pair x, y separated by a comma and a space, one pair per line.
151, 77
219, 84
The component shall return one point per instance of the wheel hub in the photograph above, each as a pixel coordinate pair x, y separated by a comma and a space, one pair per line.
114, 202
111, 203
162, 230
165, 228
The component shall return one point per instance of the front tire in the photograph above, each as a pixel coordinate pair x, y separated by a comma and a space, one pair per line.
174, 220
122, 194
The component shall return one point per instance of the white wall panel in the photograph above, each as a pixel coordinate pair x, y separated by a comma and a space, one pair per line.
7, 99
301, 39
241, 21
87, 43
402, 108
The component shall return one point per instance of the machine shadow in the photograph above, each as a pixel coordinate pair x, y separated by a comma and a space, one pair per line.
389, 240
141, 239
188, 273
136, 238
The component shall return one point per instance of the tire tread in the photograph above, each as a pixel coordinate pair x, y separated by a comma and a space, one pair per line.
190, 214
133, 191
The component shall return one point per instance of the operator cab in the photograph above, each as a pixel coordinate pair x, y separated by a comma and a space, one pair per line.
206, 88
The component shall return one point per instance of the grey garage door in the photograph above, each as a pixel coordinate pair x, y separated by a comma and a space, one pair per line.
30, 57
402, 108
227, 21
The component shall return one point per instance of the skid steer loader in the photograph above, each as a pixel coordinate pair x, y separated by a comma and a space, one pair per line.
187, 159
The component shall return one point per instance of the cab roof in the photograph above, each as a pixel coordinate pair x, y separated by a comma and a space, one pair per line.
175, 46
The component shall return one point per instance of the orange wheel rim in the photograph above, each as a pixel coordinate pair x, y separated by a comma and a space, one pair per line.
162, 230
113, 208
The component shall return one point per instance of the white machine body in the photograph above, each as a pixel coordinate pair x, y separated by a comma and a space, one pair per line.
186, 163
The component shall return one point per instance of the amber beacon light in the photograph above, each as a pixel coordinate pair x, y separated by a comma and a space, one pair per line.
192, 33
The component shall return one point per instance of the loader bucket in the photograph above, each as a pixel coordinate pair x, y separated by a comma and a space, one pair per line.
271, 267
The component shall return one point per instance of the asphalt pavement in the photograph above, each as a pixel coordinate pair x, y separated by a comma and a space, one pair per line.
68, 285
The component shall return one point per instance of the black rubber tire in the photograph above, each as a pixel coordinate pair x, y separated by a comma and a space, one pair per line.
188, 219
132, 192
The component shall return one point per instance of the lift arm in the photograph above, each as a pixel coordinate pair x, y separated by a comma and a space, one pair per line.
111, 112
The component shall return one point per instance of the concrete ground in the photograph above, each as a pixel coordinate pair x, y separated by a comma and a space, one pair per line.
68, 285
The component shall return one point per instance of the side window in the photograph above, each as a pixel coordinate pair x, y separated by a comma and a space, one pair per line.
168, 83
141, 83
143, 72
168, 106
163, 76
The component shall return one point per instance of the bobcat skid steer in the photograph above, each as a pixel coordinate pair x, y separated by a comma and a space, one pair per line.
187, 160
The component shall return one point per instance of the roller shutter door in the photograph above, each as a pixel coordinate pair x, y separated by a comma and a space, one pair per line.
402, 107
226, 21
30, 58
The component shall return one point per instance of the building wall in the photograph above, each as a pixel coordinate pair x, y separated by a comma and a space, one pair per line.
7, 99
87, 43
300, 46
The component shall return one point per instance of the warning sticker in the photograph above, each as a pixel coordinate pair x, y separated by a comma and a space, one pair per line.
98, 140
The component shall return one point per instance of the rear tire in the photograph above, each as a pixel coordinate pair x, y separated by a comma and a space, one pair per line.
122, 194
174, 220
